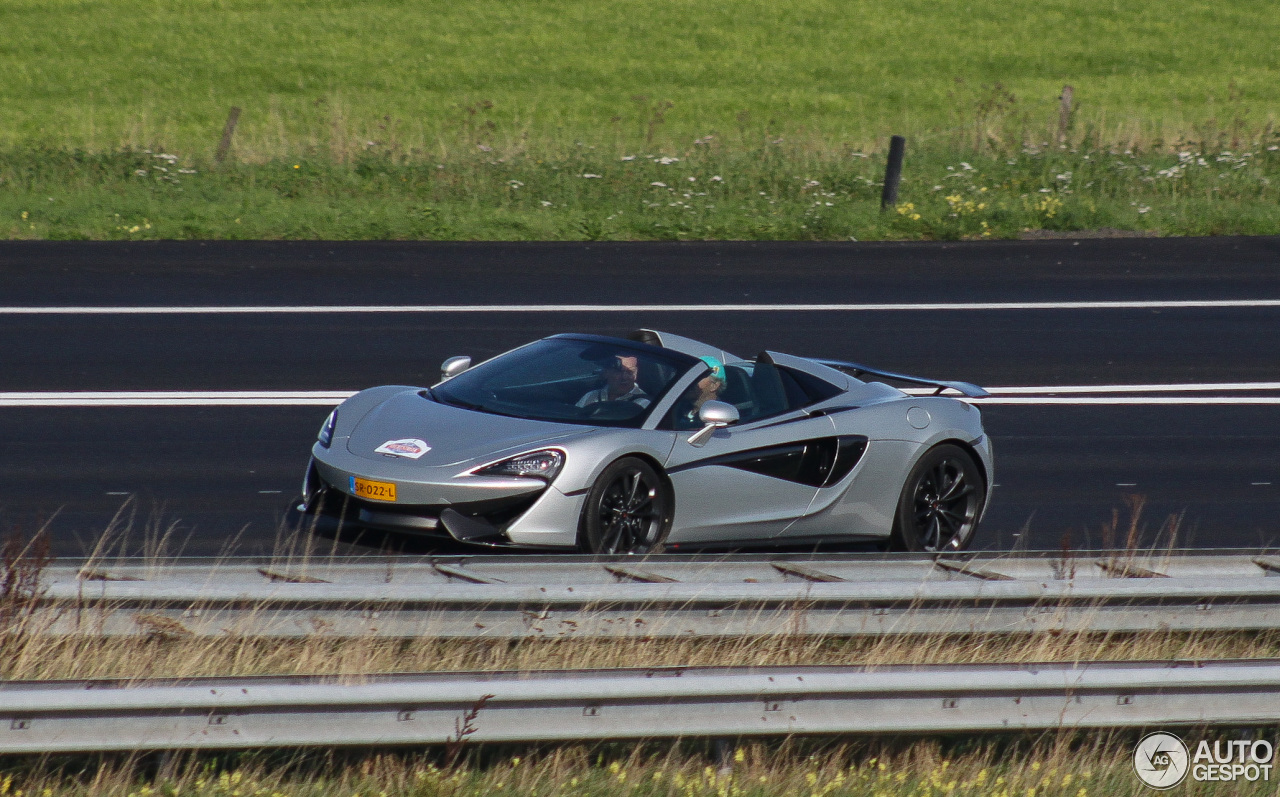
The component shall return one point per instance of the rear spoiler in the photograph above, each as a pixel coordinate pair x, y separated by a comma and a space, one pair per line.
964, 388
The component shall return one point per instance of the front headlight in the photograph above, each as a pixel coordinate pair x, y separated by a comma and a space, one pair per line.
326, 432
543, 465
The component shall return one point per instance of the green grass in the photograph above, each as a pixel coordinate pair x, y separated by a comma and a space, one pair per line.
434, 120
337, 73
710, 192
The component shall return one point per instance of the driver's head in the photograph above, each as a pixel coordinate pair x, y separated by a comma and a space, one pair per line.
709, 386
620, 375
706, 389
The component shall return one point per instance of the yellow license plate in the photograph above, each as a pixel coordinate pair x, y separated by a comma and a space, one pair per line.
373, 491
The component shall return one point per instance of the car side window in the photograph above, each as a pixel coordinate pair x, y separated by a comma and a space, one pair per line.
758, 390
773, 391
807, 388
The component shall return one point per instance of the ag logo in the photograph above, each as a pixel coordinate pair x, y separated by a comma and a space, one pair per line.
1161, 760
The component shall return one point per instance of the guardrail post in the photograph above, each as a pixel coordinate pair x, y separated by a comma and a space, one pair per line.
893, 172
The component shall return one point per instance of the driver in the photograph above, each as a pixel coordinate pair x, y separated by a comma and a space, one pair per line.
620, 383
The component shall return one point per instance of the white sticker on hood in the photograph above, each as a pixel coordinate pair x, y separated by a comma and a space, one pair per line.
410, 447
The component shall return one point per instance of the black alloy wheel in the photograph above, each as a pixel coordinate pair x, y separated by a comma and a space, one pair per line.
628, 510
941, 502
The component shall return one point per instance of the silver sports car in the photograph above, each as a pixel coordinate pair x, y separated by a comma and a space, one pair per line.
631, 445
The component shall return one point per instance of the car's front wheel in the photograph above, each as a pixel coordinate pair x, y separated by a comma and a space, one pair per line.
940, 503
628, 510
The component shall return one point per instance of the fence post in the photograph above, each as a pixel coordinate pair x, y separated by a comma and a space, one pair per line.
892, 173
224, 146
1064, 113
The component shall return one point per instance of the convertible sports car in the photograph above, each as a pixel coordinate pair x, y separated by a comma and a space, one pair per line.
629, 445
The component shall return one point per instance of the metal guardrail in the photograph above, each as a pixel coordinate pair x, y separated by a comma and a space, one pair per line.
225, 713
664, 596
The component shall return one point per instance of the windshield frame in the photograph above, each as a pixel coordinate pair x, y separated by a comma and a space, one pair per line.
680, 362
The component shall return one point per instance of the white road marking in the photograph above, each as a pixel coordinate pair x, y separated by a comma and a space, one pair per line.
639, 308
1121, 400
1127, 484
165, 398
1015, 395
1187, 387
268, 492
1259, 484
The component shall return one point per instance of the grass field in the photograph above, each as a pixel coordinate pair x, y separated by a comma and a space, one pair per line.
704, 192
332, 75
668, 119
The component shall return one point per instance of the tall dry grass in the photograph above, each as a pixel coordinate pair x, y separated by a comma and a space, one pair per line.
1060, 764
42, 657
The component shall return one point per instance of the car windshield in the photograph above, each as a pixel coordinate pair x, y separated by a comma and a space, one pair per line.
594, 381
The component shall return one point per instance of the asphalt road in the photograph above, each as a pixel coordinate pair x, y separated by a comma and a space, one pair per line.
208, 475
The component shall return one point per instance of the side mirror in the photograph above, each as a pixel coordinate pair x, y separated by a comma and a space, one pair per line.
454, 366
714, 415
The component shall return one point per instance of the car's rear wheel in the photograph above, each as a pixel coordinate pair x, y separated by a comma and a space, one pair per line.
628, 510
941, 502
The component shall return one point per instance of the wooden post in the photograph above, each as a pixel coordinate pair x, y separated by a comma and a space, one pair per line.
892, 173
1064, 113
224, 146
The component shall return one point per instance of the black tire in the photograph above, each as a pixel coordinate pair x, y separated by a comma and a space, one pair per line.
628, 510
941, 502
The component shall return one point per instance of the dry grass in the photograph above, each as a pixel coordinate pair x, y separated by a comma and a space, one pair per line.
1055, 765
40, 657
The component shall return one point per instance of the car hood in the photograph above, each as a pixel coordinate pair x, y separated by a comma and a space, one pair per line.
454, 435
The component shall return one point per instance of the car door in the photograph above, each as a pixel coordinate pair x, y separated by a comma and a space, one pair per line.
751, 480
